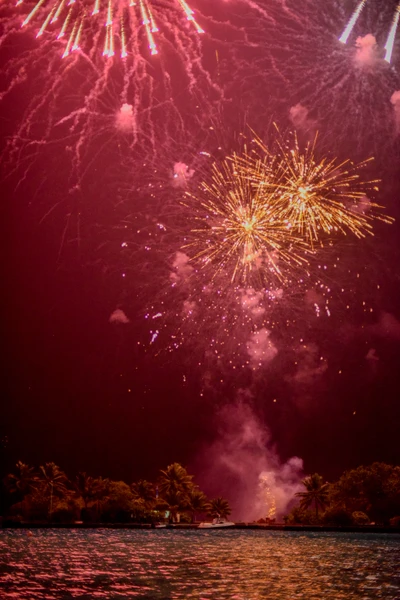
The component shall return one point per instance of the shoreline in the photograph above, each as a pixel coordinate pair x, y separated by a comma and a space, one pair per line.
184, 526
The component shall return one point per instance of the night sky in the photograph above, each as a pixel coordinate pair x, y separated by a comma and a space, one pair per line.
81, 205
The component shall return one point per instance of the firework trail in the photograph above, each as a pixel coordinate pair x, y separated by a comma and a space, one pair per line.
353, 20
111, 94
392, 34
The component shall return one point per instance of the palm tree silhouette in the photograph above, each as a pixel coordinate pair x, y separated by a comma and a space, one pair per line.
219, 507
24, 482
174, 486
317, 493
53, 482
197, 502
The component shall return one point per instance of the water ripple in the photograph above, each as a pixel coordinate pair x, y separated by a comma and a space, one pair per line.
163, 564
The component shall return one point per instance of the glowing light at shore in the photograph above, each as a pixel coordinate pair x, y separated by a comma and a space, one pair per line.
352, 21
392, 35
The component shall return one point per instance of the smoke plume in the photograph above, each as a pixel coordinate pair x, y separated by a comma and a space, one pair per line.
366, 50
298, 115
182, 174
125, 119
242, 466
118, 316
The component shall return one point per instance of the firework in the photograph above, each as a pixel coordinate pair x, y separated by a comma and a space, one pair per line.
238, 230
391, 36
316, 198
226, 277
115, 22
262, 213
88, 80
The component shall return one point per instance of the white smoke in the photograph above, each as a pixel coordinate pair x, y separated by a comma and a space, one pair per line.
366, 50
387, 327
260, 348
118, 316
363, 206
310, 366
298, 115
183, 269
242, 466
372, 355
125, 118
182, 174
189, 308
251, 302
395, 100
372, 359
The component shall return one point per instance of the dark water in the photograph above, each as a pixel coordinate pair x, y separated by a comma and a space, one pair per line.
216, 564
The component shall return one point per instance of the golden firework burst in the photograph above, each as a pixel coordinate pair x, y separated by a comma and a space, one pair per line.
263, 214
238, 230
316, 198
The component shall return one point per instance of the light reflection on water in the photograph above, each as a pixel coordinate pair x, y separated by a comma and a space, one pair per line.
165, 564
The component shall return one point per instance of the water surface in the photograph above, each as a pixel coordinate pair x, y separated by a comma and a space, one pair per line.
219, 564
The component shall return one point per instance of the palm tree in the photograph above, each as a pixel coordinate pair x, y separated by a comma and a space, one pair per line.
197, 502
175, 485
86, 487
53, 482
24, 482
177, 502
317, 493
175, 479
101, 488
219, 507
144, 490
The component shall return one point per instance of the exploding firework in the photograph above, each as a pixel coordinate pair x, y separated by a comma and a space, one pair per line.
235, 275
265, 210
96, 78
100, 23
239, 233
110, 93
320, 83
316, 198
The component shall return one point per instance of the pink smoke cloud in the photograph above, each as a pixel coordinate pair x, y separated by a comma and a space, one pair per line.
242, 465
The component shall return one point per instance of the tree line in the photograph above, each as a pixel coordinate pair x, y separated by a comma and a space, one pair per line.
48, 495
362, 496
